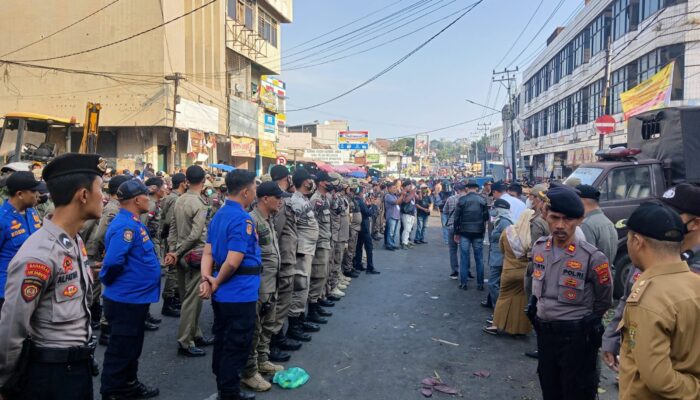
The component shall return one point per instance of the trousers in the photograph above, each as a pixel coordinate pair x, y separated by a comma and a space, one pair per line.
407, 221
264, 324
349, 255
49, 381
121, 359
188, 285
302, 276
421, 225
335, 269
391, 233
234, 326
319, 274
453, 248
364, 240
477, 245
285, 288
170, 287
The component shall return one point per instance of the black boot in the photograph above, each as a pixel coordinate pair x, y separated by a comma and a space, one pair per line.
296, 330
277, 355
284, 343
325, 303
104, 334
169, 308
150, 318
242, 395
95, 316
313, 315
322, 311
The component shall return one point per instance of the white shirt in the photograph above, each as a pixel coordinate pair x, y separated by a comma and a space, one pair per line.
516, 205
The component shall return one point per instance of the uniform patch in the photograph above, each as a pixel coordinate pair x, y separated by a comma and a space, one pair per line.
70, 290
65, 241
15, 225
571, 249
67, 264
30, 289
18, 232
631, 334
636, 276
37, 270
83, 250
603, 273
573, 264
570, 282
537, 273
538, 258
249, 227
36, 218
570, 294
128, 235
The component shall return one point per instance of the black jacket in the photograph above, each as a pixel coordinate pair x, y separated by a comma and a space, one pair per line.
471, 214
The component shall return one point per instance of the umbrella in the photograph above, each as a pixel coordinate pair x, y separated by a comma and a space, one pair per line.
227, 168
358, 174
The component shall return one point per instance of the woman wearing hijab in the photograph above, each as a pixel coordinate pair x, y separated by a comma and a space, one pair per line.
502, 219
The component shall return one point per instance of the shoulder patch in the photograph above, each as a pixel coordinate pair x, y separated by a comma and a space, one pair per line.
603, 272
65, 241
37, 270
128, 235
67, 264
637, 291
538, 258
30, 289
249, 227
573, 264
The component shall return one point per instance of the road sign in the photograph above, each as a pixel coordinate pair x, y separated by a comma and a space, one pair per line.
605, 124
281, 160
353, 140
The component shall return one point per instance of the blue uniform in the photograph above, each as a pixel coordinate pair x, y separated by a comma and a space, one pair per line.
130, 269
15, 228
233, 229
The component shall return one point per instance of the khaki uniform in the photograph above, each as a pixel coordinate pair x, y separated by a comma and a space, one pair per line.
188, 231
340, 227
355, 225
167, 208
47, 296
319, 266
660, 358
267, 295
307, 236
96, 245
285, 222
87, 234
538, 228
44, 209
152, 221
601, 233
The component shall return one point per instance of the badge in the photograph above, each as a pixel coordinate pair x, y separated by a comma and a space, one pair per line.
65, 241
632, 332
573, 264
18, 232
128, 235
570, 282
15, 225
636, 276
670, 193
36, 218
570, 294
30, 289
249, 228
67, 264
37, 270
539, 259
70, 290
603, 273
571, 249
83, 250
537, 274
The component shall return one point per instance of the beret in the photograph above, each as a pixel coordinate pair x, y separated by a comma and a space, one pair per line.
684, 198
565, 200
74, 163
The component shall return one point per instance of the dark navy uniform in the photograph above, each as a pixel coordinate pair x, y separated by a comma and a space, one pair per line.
131, 275
15, 228
234, 303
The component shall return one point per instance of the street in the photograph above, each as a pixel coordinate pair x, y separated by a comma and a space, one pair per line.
381, 342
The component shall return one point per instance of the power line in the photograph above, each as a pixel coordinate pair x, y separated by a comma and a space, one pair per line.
521, 34
395, 64
544, 25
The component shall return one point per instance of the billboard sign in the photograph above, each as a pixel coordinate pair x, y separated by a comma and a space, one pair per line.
353, 140
270, 123
243, 147
329, 156
422, 147
652, 94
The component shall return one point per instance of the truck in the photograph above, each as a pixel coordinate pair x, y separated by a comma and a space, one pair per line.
662, 151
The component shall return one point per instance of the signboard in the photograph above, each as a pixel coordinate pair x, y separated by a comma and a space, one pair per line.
281, 160
196, 142
243, 117
267, 149
270, 123
272, 93
652, 94
353, 140
605, 124
422, 147
243, 147
193, 115
373, 158
329, 156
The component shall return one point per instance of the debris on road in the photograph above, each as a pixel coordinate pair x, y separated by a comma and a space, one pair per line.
444, 341
435, 384
482, 373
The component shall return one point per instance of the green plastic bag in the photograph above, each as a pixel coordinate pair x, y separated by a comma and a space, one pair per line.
291, 378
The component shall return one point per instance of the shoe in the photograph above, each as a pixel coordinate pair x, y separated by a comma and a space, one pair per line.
486, 304
296, 331
480, 287
390, 248
326, 303
360, 268
269, 368
345, 278
332, 298
257, 383
307, 326
463, 287
104, 335
471, 276
138, 390
287, 344
341, 286
314, 317
150, 326
278, 355
95, 367
153, 319
533, 354
351, 274
337, 293
489, 320
410, 245
204, 341
454, 276
491, 330
192, 351
373, 271
322, 311
169, 308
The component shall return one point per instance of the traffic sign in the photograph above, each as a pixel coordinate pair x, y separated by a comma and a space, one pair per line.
281, 160
605, 124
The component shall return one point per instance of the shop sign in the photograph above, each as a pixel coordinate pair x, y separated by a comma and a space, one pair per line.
243, 147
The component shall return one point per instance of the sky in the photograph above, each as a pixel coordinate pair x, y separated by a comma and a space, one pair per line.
429, 89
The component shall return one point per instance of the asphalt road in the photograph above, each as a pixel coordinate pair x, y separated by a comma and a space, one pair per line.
380, 343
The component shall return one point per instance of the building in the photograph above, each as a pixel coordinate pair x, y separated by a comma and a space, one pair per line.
564, 88
495, 144
217, 56
323, 133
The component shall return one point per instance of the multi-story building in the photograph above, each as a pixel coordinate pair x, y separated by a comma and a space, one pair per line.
610, 43
494, 147
219, 53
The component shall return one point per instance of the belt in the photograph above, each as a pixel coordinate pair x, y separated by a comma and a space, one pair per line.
243, 270
567, 327
61, 356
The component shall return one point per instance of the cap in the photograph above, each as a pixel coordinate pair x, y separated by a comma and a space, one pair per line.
684, 198
424, 186
16, 166
572, 182
499, 187
500, 203
279, 172
588, 192
155, 181
656, 221
42, 188
472, 183
195, 174
74, 163
177, 179
323, 176
270, 189
300, 175
130, 189
115, 182
335, 176
538, 190
21, 180
565, 200
516, 187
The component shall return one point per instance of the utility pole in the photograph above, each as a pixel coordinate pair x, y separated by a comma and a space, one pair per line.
606, 90
484, 128
176, 77
508, 76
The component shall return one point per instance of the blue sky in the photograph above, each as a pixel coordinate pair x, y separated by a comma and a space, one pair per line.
427, 91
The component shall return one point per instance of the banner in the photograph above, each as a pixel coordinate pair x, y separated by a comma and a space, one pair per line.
652, 94
353, 140
267, 149
270, 123
242, 147
193, 115
422, 148
272, 92
373, 158
197, 142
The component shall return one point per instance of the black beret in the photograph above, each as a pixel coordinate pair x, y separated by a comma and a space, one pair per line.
195, 174
684, 198
472, 183
115, 182
565, 200
155, 181
499, 187
300, 175
130, 189
270, 188
323, 176
500, 203
588, 192
22, 180
74, 163
177, 179
279, 172
516, 187
656, 221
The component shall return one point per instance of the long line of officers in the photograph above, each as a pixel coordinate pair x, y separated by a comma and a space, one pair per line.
269, 255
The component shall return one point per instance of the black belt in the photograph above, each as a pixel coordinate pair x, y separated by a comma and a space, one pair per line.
243, 270
566, 327
61, 355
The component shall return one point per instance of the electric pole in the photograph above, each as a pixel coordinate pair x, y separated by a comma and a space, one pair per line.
176, 77
508, 76
484, 128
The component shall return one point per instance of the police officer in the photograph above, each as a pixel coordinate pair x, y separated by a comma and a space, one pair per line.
171, 298
599, 230
48, 292
572, 290
340, 227
355, 226
659, 354
307, 236
18, 220
151, 219
269, 200
321, 201
286, 228
188, 232
231, 265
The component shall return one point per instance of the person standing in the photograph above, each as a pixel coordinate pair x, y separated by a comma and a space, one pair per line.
500, 191
572, 290
151, 219
188, 231
340, 246
321, 203
171, 298
131, 275
408, 215
448, 212
355, 226
500, 213
470, 218
364, 239
18, 220
339, 216
392, 199
379, 220
659, 358
231, 265
599, 230
423, 204
48, 294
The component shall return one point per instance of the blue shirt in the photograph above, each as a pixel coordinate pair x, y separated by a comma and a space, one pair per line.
130, 269
233, 229
15, 228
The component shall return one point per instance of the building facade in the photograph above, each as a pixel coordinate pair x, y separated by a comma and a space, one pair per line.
608, 48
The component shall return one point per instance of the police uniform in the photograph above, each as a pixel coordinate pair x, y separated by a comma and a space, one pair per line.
340, 222
319, 265
171, 303
131, 275
48, 293
234, 303
573, 290
355, 226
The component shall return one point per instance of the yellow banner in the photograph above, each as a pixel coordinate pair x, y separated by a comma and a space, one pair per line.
267, 149
652, 94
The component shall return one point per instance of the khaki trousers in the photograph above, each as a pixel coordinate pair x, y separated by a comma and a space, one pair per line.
264, 323
319, 274
349, 255
188, 285
302, 274
285, 288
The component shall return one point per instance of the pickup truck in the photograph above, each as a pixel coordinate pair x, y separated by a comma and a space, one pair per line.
664, 149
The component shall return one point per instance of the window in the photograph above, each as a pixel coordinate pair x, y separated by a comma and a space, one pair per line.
595, 95
581, 49
620, 21
237, 10
629, 183
249, 11
565, 114
580, 107
267, 27
599, 33
536, 124
553, 118
544, 122
649, 7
